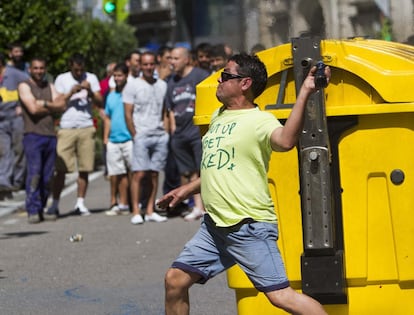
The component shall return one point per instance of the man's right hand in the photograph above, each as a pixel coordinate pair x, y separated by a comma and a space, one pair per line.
171, 199
175, 196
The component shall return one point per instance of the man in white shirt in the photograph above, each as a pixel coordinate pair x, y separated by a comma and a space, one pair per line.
76, 136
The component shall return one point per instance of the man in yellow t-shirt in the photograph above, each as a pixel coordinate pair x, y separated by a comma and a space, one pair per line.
240, 224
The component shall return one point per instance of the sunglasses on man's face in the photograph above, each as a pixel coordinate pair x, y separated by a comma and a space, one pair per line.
225, 76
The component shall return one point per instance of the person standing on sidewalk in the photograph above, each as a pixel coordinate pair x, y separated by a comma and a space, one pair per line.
12, 160
40, 102
240, 226
185, 136
76, 136
143, 99
118, 141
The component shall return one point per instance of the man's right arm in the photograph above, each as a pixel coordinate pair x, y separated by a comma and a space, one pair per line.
129, 108
107, 128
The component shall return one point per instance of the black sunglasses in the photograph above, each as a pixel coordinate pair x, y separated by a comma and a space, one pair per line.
225, 76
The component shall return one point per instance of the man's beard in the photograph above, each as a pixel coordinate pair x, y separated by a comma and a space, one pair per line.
19, 64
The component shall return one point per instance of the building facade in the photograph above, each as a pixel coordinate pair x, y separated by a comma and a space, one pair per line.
244, 23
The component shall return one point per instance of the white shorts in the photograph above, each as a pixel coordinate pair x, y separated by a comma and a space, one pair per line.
118, 157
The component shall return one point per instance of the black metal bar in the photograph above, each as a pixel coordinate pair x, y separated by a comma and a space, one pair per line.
322, 260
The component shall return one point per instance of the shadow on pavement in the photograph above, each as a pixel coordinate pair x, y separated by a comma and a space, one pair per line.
6, 236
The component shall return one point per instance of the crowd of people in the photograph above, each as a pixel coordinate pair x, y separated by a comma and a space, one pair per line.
146, 103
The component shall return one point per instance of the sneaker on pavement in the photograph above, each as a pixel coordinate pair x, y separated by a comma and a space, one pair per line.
125, 211
194, 215
83, 211
34, 218
137, 219
155, 217
114, 210
51, 214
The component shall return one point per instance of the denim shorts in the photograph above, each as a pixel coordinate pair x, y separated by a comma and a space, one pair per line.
150, 152
250, 244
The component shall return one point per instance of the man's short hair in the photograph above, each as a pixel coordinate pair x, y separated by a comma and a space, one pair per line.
164, 49
253, 67
218, 51
15, 44
38, 58
128, 57
204, 47
77, 58
149, 53
122, 67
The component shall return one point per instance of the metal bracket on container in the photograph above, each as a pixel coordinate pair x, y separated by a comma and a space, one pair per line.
322, 261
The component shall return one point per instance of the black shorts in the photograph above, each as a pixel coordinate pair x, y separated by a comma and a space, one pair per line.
187, 154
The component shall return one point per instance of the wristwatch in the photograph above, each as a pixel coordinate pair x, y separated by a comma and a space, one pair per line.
45, 104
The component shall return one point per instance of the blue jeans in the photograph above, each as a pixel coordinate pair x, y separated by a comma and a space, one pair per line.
12, 159
41, 155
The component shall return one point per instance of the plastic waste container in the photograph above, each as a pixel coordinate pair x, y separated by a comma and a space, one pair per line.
370, 127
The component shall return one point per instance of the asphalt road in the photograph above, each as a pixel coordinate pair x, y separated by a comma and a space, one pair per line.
117, 269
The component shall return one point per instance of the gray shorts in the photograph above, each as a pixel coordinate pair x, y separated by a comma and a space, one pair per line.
150, 153
250, 244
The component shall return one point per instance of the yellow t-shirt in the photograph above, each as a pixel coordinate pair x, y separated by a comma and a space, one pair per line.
236, 154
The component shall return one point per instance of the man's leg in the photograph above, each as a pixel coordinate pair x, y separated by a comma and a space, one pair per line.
83, 180
58, 184
49, 158
85, 155
113, 181
153, 191
177, 284
34, 145
123, 183
135, 196
19, 167
294, 302
6, 155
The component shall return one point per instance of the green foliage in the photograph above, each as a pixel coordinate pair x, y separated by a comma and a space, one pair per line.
51, 29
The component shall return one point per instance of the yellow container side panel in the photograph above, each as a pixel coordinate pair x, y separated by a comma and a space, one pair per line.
378, 214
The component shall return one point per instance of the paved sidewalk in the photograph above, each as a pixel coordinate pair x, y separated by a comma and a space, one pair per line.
18, 202
117, 269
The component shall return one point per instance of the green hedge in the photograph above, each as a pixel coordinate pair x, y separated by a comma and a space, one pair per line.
51, 29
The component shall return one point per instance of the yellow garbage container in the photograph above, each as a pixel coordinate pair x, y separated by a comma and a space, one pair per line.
370, 120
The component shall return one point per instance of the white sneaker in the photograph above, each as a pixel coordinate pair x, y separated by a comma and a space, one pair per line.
155, 217
194, 215
114, 210
137, 219
83, 211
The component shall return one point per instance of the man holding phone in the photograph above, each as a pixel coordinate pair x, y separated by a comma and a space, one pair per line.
76, 135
